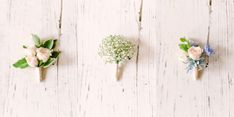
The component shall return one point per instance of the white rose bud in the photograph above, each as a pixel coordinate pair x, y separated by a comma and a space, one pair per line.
43, 54
195, 52
30, 51
32, 61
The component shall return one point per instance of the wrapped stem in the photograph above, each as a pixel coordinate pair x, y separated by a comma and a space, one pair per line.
117, 74
39, 72
207, 60
196, 73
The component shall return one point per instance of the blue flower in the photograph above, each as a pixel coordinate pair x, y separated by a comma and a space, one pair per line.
209, 51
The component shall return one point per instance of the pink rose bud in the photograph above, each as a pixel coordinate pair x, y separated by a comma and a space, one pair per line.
195, 52
43, 54
32, 61
30, 51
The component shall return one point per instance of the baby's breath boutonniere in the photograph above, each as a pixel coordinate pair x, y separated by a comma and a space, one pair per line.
194, 56
39, 56
116, 49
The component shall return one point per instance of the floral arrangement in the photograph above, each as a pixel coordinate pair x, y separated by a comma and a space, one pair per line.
116, 49
195, 57
39, 56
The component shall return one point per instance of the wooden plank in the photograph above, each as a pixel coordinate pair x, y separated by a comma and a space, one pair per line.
154, 83
165, 89
21, 95
87, 86
221, 70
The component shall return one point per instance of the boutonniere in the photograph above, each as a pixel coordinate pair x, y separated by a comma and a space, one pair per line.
116, 49
39, 56
194, 56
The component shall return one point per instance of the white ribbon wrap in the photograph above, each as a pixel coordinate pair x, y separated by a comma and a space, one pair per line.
39, 72
117, 74
195, 73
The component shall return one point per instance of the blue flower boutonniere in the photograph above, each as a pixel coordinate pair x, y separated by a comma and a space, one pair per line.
195, 57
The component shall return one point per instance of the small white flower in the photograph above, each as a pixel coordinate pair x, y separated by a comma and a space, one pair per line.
32, 61
195, 52
30, 51
43, 54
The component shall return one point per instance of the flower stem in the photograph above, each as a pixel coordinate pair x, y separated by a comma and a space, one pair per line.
207, 60
117, 72
196, 73
39, 74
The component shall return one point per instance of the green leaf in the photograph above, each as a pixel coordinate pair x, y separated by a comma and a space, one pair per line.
48, 44
40, 63
184, 47
49, 62
25, 47
22, 63
183, 40
36, 40
185, 44
55, 54
55, 41
189, 45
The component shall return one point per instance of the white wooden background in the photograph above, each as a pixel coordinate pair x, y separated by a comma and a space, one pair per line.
154, 83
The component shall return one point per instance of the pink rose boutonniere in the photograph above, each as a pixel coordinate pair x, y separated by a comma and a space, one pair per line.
196, 58
39, 56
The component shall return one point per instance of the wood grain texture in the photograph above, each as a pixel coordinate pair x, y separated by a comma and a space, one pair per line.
154, 82
21, 95
84, 79
163, 83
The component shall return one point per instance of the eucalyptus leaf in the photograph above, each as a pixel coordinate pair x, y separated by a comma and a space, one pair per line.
49, 44
36, 40
22, 63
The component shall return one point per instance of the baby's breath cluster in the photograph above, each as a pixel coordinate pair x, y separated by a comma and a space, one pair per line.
116, 49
